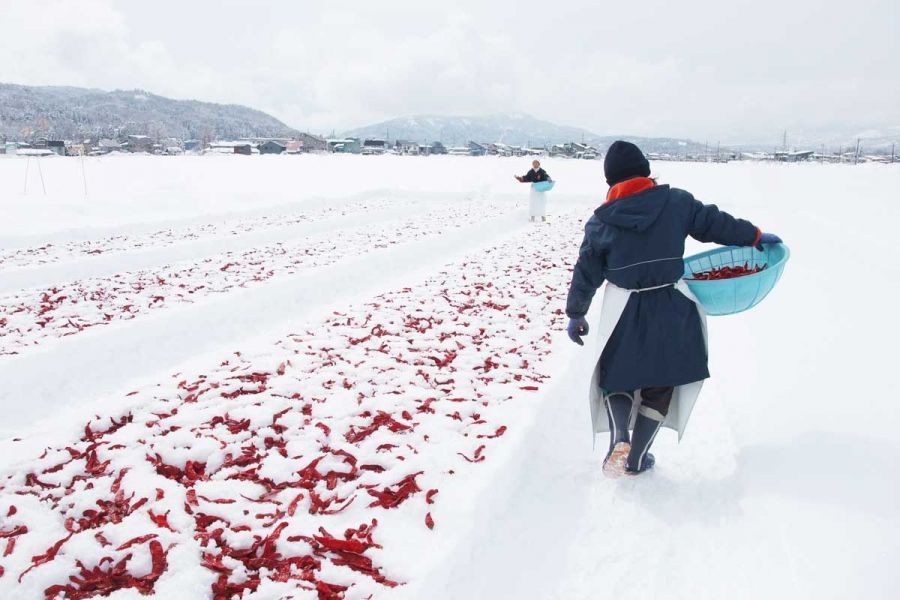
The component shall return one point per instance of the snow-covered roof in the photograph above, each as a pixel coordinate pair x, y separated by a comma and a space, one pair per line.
231, 144
35, 152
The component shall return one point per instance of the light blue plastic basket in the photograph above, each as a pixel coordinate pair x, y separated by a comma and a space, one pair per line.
731, 296
543, 186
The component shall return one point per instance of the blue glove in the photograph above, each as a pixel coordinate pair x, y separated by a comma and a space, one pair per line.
767, 238
577, 329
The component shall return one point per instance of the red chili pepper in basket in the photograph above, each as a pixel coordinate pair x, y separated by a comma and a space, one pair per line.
727, 272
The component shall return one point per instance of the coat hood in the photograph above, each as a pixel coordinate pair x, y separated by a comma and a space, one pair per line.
637, 212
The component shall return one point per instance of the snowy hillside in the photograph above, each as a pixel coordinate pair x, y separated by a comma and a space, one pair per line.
347, 377
514, 129
69, 113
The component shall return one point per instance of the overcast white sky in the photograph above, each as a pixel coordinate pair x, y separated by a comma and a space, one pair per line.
733, 70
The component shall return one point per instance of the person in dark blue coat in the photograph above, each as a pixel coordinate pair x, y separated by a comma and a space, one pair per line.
635, 241
537, 200
535, 175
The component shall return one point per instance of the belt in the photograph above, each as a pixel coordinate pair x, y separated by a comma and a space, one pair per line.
646, 289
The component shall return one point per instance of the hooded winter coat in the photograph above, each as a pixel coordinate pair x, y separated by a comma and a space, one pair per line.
636, 243
533, 176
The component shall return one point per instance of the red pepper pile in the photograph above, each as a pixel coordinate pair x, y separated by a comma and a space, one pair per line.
108, 576
718, 273
333, 403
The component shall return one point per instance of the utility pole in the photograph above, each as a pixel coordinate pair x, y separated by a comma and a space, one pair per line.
892, 153
856, 160
784, 142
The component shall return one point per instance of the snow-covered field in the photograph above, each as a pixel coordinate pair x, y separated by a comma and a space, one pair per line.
347, 377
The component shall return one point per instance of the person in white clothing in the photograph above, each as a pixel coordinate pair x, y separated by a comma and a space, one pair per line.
537, 201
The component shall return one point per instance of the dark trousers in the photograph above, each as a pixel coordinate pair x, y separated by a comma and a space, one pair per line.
654, 405
656, 400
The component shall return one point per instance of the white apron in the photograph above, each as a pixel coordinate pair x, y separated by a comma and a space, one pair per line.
684, 397
537, 203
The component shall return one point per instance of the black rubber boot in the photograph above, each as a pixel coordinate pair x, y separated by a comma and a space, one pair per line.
618, 411
645, 430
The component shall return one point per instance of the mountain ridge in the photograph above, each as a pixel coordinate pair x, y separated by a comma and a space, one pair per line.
70, 112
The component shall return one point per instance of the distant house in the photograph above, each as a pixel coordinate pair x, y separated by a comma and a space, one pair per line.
375, 146
192, 145
312, 143
577, 150
793, 156
476, 149
77, 149
139, 143
272, 147
245, 148
108, 145
459, 151
406, 147
438, 148
57, 147
293, 147
499, 149
344, 146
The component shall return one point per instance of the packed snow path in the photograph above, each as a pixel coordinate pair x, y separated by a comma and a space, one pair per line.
785, 483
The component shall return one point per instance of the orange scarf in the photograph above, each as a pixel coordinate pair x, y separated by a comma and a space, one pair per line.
629, 187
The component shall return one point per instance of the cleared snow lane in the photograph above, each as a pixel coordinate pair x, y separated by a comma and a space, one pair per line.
228, 231
70, 308
108, 264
